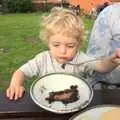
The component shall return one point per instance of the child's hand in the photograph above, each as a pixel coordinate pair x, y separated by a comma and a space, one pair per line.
16, 88
116, 57
14, 92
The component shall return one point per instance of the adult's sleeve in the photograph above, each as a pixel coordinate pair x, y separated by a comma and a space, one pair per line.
100, 35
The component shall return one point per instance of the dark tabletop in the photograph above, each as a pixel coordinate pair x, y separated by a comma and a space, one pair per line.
26, 109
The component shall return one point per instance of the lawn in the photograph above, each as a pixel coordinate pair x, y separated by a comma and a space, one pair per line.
19, 42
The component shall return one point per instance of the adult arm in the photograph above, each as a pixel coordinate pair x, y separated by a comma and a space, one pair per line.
100, 35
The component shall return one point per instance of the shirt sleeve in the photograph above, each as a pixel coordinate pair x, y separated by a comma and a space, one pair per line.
32, 67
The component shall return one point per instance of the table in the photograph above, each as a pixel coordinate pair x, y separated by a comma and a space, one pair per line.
26, 109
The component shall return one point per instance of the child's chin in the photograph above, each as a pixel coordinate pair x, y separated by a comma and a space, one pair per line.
62, 61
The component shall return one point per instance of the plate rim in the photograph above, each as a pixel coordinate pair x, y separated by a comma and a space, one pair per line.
93, 107
56, 111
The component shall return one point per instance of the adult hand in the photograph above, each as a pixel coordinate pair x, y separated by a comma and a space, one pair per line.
116, 56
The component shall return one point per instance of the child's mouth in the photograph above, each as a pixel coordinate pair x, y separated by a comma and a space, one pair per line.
63, 58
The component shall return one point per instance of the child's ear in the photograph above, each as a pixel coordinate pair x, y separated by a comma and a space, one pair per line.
79, 45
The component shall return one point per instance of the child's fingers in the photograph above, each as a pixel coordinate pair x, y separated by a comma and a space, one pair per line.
22, 90
10, 93
17, 91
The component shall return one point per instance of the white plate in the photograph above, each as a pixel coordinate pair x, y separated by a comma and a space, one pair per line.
93, 113
40, 89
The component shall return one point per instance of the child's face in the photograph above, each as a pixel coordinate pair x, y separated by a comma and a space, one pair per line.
63, 48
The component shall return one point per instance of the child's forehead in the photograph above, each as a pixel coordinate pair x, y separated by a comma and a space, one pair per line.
62, 38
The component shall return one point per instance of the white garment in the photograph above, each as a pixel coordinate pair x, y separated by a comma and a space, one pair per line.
44, 64
105, 38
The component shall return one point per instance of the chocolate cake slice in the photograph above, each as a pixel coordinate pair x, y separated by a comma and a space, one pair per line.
65, 96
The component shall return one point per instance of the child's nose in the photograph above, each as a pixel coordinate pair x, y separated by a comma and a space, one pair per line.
63, 50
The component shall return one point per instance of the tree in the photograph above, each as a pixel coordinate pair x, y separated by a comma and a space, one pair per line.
4, 6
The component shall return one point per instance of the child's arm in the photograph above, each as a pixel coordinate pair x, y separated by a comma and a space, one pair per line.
16, 88
107, 65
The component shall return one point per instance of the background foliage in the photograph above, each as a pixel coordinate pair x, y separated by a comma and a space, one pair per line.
20, 5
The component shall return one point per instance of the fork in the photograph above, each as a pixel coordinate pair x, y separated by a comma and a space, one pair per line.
87, 61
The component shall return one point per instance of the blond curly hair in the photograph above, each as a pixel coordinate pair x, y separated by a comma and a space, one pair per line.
64, 22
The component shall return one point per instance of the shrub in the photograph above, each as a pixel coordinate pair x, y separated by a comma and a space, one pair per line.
20, 5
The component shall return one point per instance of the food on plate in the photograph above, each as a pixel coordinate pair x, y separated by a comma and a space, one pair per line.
113, 114
65, 96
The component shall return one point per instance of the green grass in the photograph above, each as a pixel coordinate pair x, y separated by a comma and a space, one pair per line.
19, 42
88, 23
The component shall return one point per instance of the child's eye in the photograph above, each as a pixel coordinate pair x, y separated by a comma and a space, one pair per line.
55, 45
70, 46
